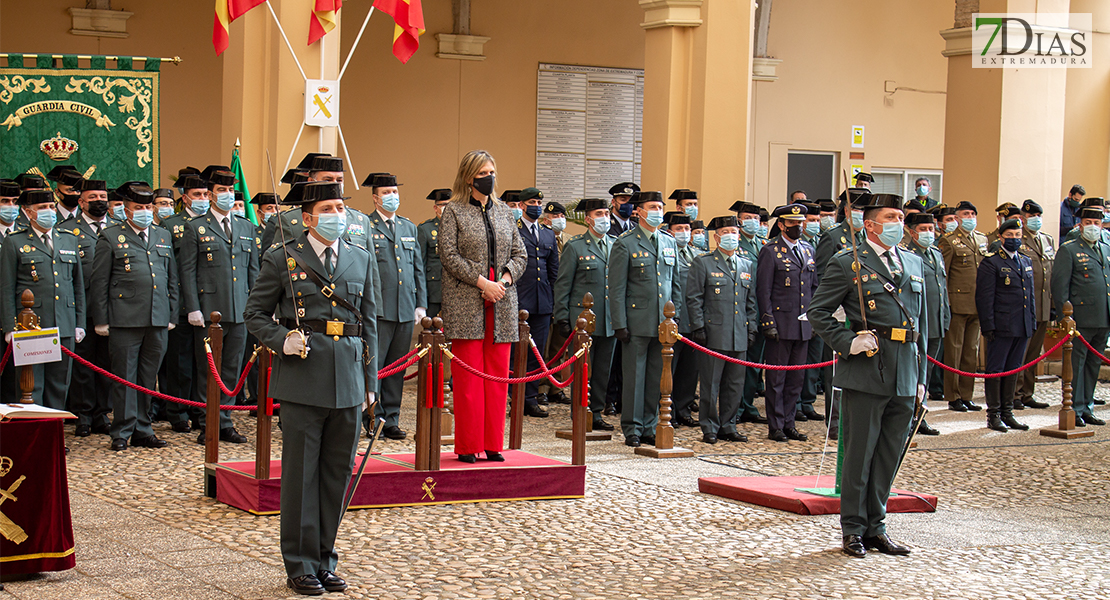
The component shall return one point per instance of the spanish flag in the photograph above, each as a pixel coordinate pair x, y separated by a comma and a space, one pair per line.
409, 19
226, 12
322, 20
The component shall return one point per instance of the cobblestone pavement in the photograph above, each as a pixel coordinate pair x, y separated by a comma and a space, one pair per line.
1020, 516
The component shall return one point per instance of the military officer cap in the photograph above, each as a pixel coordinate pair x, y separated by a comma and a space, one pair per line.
136, 191
936, 210
860, 196
1004, 207
530, 192
90, 185
676, 217
914, 204
791, 212
919, 218
624, 188
586, 205
1031, 207
1010, 211
163, 193
55, 174
1009, 224
9, 189
113, 196
744, 207
945, 211
218, 175
191, 182
379, 180
641, 197
965, 205
696, 225
327, 163
510, 196
826, 206
31, 197
313, 191
885, 201
440, 194
294, 175
1090, 212
683, 194
865, 177
306, 162
719, 222
28, 181
265, 198
1093, 201
554, 208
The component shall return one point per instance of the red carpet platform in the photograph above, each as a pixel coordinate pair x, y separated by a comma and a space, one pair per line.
389, 480
781, 493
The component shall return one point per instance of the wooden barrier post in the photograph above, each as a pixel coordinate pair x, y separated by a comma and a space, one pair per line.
520, 368
664, 433
264, 433
439, 376
447, 416
425, 388
590, 319
27, 320
1067, 429
212, 410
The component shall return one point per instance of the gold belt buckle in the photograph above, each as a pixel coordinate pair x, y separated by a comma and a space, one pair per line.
327, 291
897, 335
335, 327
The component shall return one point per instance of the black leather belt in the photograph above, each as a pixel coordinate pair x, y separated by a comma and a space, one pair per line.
896, 334
333, 328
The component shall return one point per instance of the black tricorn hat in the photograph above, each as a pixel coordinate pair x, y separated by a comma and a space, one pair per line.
191, 182
306, 162
1031, 207
696, 225
812, 207
440, 194
642, 197
510, 195
264, 198
676, 217
1009, 224
29, 197
683, 194
9, 189
164, 193
965, 205
136, 191
918, 218
1093, 201
554, 208
187, 171
327, 163
864, 177
860, 196
826, 205
1090, 212
377, 180
55, 174
744, 207
885, 201
70, 178
624, 188
239, 196
726, 221
586, 205
218, 175
91, 185
764, 215
294, 175
210, 169
30, 181
313, 191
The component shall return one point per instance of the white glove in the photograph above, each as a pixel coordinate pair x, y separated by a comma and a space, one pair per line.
196, 319
421, 312
294, 344
864, 342
8, 337
921, 396
78, 334
101, 330
369, 401
171, 326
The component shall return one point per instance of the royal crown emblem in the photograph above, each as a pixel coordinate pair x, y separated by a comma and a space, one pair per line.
58, 147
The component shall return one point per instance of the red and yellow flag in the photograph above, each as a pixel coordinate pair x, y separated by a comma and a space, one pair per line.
409, 20
226, 12
323, 19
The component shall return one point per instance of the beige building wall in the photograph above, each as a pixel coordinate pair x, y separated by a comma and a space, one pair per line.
1087, 112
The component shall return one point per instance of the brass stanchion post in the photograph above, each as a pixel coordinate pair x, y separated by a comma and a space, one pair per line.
264, 433
1067, 429
591, 324
27, 320
212, 410
425, 394
520, 367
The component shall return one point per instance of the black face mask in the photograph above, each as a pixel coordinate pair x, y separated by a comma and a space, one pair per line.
484, 185
97, 208
70, 200
793, 232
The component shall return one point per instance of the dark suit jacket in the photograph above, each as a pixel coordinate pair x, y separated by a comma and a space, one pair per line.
533, 291
784, 288
218, 273
1005, 297
134, 284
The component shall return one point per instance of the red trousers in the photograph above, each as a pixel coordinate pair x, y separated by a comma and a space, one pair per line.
479, 403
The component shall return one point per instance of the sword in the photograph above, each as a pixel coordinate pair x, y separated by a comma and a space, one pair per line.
281, 232
350, 495
856, 266
919, 411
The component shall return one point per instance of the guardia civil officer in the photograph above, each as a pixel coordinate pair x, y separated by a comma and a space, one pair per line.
322, 393
879, 390
65, 178
785, 281
963, 250
219, 263
534, 288
747, 214
1005, 298
163, 205
686, 202
684, 364
1081, 275
134, 294
9, 211
265, 206
44, 260
88, 391
584, 267
723, 314
643, 277
404, 295
920, 239
427, 236
1040, 248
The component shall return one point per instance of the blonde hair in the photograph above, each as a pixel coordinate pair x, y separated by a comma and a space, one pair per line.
471, 164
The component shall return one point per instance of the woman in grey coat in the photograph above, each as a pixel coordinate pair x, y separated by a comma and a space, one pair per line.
482, 256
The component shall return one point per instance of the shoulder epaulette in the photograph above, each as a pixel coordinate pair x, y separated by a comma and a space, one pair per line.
68, 231
1066, 242
405, 219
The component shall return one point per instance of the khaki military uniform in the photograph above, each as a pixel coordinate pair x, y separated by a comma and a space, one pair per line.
962, 253
1041, 250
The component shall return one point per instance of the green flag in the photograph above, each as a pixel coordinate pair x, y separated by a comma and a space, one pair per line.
241, 185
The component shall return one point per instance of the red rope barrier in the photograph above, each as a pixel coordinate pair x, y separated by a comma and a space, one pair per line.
1092, 348
585, 385
411, 375
1058, 345
439, 385
513, 380
7, 355
402, 359
390, 372
220, 380
570, 338
429, 393
745, 363
543, 365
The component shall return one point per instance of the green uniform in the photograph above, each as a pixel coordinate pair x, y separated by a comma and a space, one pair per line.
962, 252
940, 311
684, 363
176, 375
1081, 275
427, 237
877, 405
53, 273
753, 377
321, 395
1041, 250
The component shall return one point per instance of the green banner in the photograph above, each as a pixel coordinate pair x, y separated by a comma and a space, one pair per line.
102, 121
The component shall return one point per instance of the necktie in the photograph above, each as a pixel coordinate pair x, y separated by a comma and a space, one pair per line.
98, 226
227, 227
389, 223
604, 246
46, 240
732, 264
798, 254
142, 236
892, 263
327, 261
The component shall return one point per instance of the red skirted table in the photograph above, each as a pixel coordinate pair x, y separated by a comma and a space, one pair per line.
36, 531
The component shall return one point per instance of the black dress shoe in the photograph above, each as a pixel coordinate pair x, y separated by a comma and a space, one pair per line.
925, 429
968, 404
756, 418
811, 414
1079, 422
794, 434
468, 458
541, 400
119, 444
1017, 404
495, 456
995, 423
647, 439
533, 410
394, 432
800, 417
708, 438
732, 436
200, 436
633, 441
83, 431
331, 581
853, 546
150, 441
230, 435
957, 406
1034, 403
610, 410
1093, 420
305, 585
884, 544
1013, 423
686, 421
834, 435
601, 425
182, 427
777, 435
559, 398
101, 430
1098, 401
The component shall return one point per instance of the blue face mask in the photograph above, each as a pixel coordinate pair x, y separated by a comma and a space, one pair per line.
692, 212
926, 239
1012, 244
9, 214
533, 211
813, 228
239, 212
827, 222
1033, 224
225, 201
601, 226
559, 223
922, 190
1106, 217
654, 218
763, 231
517, 213
199, 206
331, 225
750, 226
165, 211
142, 218
950, 226
266, 217
857, 219
892, 234
46, 218
1091, 233
391, 202
730, 241
682, 237
117, 212
625, 210
699, 240
969, 224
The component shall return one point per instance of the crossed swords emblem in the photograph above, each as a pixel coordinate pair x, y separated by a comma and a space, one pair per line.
8, 528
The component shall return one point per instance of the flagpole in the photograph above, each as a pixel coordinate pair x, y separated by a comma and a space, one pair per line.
355, 45
287, 44
350, 163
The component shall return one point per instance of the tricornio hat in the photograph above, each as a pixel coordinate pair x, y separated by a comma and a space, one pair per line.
377, 180
265, 198
90, 185
313, 191
683, 194
440, 194
919, 218
30, 197
676, 217
642, 197
726, 221
586, 205
136, 191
